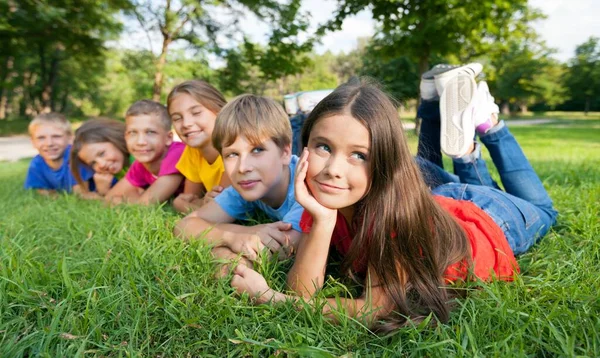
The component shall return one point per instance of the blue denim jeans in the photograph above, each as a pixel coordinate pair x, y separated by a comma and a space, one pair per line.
297, 121
524, 212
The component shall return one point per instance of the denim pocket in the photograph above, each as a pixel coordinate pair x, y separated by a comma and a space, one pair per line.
528, 211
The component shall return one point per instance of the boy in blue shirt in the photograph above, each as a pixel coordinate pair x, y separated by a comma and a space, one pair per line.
253, 135
49, 171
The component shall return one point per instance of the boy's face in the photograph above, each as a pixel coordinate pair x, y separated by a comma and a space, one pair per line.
192, 121
147, 140
51, 141
257, 171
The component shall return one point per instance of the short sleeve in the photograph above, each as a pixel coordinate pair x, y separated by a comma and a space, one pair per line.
188, 164
211, 173
294, 215
233, 204
306, 222
135, 176
86, 173
34, 178
169, 163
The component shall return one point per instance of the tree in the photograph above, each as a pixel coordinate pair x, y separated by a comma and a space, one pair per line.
37, 37
522, 73
583, 78
423, 29
197, 23
399, 74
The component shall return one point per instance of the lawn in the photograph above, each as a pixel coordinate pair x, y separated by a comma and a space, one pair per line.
81, 279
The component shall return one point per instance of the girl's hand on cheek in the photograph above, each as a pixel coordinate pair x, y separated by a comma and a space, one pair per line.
103, 182
303, 195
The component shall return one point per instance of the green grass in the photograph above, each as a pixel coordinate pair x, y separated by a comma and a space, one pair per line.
13, 126
556, 115
81, 279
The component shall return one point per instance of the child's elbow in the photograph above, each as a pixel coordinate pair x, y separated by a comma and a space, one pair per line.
183, 228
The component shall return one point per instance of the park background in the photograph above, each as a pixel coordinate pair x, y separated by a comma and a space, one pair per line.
81, 279
94, 58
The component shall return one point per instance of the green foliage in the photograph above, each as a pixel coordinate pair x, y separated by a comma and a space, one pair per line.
48, 48
583, 78
522, 73
129, 76
79, 278
422, 29
241, 76
199, 24
399, 75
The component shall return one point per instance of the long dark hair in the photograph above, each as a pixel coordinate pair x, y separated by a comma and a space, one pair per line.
98, 130
407, 239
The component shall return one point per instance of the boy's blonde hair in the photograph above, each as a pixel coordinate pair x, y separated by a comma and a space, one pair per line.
256, 118
53, 118
150, 108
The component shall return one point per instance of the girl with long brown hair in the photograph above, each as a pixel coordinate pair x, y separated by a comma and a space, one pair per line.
365, 197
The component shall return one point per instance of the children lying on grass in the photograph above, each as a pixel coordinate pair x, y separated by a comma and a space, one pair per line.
193, 107
152, 178
364, 197
253, 135
49, 172
105, 146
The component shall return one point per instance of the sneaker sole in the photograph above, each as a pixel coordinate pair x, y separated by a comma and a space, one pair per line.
457, 126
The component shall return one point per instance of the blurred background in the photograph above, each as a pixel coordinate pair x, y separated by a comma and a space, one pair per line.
96, 57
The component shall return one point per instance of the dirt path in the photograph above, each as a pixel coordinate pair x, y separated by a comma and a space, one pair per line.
15, 148
19, 147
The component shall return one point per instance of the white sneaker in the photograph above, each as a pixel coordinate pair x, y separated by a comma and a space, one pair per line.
441, 79
427, 88
457, 88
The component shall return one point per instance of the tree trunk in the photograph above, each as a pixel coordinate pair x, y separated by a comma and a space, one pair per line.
64, 102
281, 85
53, 80
423, 67
505, 108
49, 77
6, 74
523, 108
158, 75
587, 105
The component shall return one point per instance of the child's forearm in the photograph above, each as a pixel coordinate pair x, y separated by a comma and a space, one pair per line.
191, 227
308, 272
47, 192
351, 307
184, 206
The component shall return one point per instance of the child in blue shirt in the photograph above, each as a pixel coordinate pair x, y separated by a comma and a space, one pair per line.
253, 135
49, 171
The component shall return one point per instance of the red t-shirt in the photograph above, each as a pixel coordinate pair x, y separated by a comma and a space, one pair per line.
491, 255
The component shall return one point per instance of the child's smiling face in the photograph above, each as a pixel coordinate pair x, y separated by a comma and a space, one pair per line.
147, 138
102, 157
51, 141
257, 170
338, 163
192, 121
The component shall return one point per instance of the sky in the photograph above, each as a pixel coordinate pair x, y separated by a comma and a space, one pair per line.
568, 24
